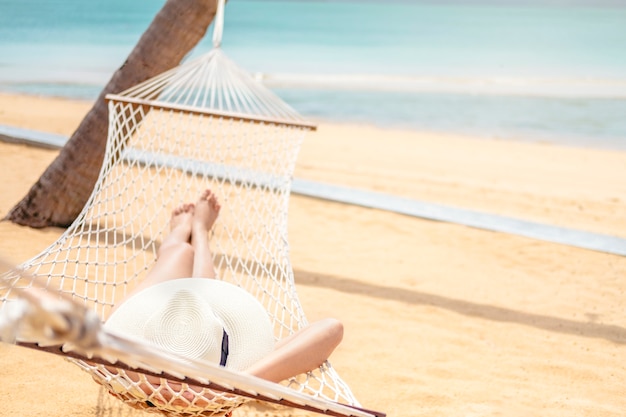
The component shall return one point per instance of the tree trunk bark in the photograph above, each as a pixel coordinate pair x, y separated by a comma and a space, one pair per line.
59, 195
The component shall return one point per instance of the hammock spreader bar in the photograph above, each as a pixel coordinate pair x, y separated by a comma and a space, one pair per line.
281, 395
155, 104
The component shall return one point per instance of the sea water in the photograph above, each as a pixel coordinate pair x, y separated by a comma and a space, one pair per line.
535, 70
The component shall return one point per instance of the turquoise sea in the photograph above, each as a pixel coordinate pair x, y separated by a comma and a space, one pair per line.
552, 70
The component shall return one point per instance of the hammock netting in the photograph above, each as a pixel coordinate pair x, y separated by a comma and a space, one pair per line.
204, 124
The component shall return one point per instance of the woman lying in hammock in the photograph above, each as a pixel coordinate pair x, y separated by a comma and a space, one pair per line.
181, 308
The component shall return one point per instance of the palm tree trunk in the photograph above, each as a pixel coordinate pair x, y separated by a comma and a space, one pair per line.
59, 195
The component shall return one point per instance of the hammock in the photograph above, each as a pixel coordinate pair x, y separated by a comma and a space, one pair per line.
162, 135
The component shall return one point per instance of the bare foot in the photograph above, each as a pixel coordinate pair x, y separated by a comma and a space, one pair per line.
206, 212
181, 221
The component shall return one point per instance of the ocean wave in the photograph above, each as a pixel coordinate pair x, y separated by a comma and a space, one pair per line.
565, 87
540, 87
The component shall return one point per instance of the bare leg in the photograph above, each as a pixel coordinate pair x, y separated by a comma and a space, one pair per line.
301, 352
175, 255
206, 212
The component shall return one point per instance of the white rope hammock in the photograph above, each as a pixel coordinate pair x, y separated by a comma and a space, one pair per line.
204, 124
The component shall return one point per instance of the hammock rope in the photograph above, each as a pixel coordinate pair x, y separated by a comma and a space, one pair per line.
204, 124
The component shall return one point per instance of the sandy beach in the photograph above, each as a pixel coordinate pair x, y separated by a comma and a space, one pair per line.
440, 319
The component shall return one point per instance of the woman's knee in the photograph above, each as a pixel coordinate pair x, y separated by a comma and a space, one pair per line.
179, 250
334, 330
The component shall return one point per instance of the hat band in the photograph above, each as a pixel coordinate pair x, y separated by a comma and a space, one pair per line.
224, 356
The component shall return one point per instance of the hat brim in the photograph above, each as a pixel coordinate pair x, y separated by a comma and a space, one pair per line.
250, 334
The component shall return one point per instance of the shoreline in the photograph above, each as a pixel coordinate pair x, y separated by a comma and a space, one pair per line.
504, 131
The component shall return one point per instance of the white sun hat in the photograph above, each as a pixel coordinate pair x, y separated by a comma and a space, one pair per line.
198, 318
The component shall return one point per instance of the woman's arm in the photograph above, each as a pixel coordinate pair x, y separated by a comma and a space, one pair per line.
301, 352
